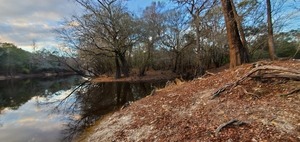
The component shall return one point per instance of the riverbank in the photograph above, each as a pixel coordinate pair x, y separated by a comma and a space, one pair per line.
24, 76
150, 76
253, 102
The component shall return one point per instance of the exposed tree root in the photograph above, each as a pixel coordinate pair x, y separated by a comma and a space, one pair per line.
246, 92
290, 93
270, 72
234, 122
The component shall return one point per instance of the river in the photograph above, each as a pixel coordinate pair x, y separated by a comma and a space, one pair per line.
58, 109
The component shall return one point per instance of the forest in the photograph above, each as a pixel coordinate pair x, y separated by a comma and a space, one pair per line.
16, 61
175, 70
187, 37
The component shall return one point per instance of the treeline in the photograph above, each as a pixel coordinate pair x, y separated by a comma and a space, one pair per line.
15, 61
187, 37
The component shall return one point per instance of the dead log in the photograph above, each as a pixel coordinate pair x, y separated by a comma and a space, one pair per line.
282, 72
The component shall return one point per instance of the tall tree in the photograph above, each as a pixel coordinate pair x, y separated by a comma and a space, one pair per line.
233, 35
270, 32
242, 49
174, 36
197, 9
106, 29
151, 31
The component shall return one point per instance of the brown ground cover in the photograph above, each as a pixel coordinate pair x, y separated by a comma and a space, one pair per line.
186, 111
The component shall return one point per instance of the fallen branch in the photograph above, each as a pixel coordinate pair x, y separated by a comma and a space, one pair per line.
288, 74
290, 93
208, 74
234, 122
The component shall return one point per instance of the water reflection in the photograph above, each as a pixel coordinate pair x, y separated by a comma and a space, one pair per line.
99, 99
14, 93
22, 117
58, 109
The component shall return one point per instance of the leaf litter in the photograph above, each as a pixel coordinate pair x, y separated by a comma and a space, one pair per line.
187, 112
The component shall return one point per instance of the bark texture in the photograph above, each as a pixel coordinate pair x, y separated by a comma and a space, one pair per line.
234, 41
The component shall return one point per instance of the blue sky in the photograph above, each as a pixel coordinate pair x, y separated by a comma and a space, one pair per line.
22, 21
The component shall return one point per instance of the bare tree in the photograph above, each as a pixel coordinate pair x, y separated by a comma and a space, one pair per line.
106, 29
270, 32
151, 31
197, 9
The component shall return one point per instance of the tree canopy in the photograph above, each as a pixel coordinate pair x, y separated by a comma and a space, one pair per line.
188, 39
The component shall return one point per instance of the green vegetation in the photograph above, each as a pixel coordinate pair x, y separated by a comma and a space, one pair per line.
15, 61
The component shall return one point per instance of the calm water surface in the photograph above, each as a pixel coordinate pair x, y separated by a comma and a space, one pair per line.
57, 109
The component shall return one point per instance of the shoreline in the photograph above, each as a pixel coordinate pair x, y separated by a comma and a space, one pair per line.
150, 76
43, 75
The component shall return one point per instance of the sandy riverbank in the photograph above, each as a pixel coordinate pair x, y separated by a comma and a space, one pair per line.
187, 112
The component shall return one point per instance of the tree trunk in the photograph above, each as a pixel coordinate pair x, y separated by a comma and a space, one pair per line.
270, 32
175, 69
199, 50
147, 62
233, 36
118, 68
125, 66
243, 49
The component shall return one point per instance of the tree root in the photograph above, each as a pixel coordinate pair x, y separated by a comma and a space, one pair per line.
247, 93
234, 122
281, 72
290, 93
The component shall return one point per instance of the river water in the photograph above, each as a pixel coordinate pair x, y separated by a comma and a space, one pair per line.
57, 109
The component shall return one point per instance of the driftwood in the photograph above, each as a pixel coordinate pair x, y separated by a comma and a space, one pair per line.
234, 122
281, 72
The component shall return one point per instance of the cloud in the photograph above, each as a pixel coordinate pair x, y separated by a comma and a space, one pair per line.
22, 21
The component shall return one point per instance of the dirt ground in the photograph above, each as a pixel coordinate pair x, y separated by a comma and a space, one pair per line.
186, 111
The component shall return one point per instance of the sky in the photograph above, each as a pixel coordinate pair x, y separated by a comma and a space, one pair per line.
25, 21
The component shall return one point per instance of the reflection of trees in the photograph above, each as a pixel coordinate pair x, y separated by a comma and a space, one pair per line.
97, 100
14, 93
